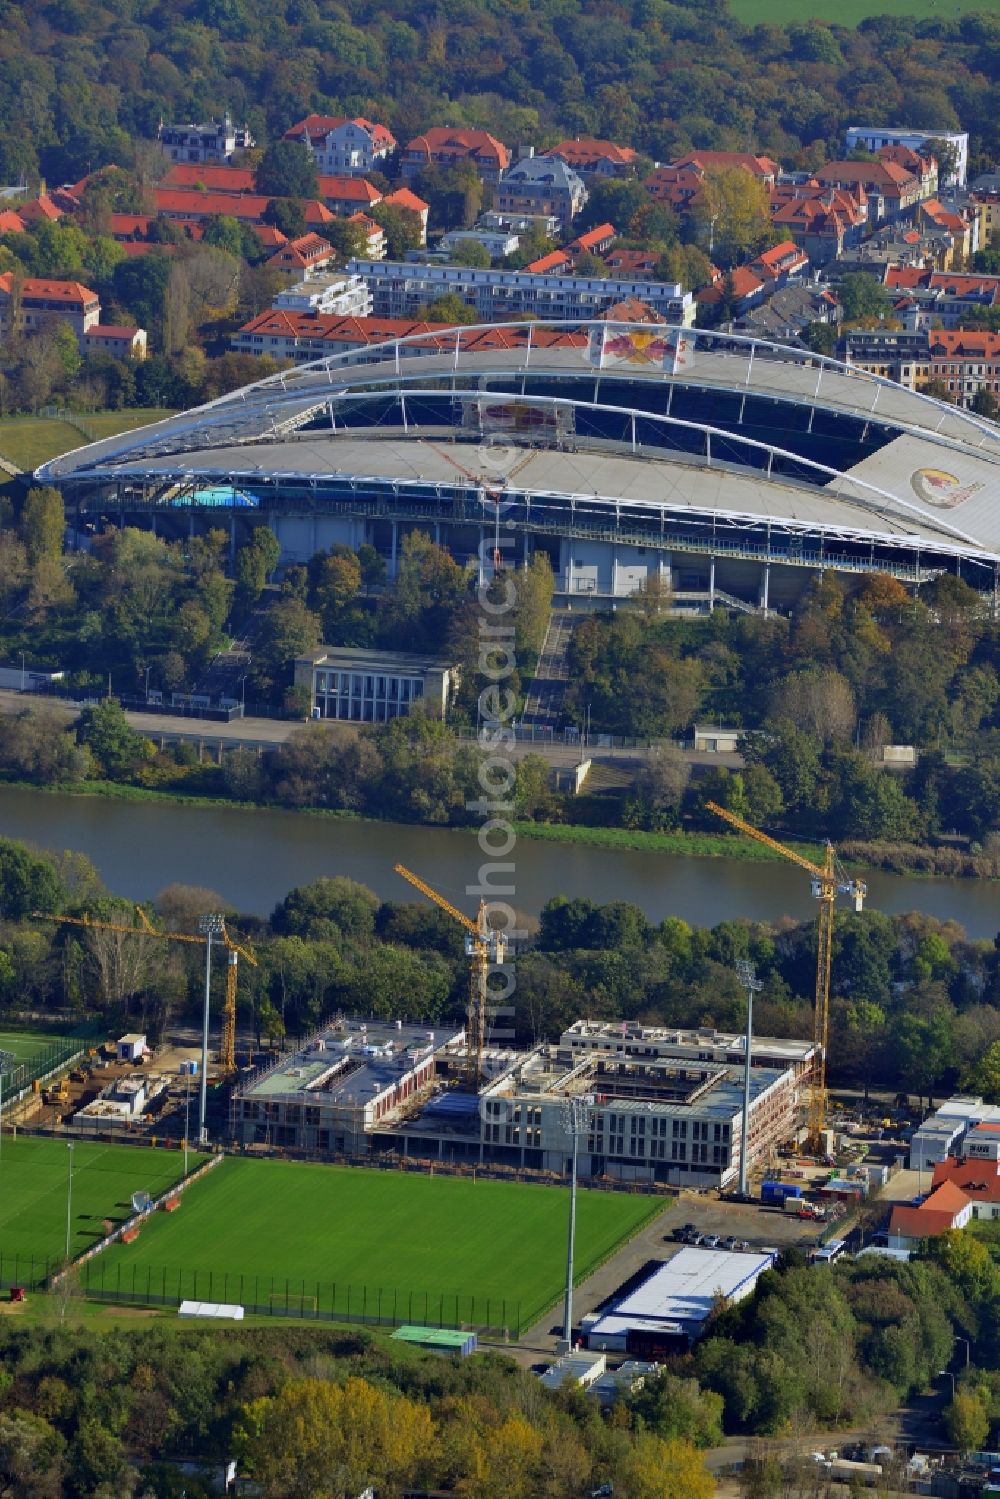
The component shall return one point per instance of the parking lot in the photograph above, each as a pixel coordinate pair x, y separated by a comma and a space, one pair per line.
761, 1227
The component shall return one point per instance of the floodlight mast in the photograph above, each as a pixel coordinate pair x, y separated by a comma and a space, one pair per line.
575, 1119
7, 1060
747, 975
210, 926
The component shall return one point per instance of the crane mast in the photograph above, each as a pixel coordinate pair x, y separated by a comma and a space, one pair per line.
825, 887
484, 948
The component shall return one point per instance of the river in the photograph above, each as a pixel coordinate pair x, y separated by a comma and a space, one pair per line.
252, 858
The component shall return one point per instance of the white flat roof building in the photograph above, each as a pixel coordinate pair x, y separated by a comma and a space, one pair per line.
340, 296
669, 1309
942, 1133
872, 137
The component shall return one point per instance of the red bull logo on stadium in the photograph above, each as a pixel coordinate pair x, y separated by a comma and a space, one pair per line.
935, 486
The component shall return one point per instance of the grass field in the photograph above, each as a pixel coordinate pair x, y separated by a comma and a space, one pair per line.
34, 1189
409, 1247
29, 1046
35, 1054
850, 12
31, 440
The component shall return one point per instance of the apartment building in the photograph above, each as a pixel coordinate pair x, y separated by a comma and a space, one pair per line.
335, 296
448, 146
874, 137
542, 185
964, 361
29, 303
400, 287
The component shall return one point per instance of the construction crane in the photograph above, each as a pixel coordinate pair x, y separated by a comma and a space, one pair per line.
826, 886
227, 1048
495, 494
484, 948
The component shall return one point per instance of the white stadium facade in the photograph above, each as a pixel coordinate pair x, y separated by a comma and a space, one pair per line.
729, 468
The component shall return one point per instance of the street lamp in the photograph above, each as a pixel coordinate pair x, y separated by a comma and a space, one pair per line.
747, 975
968, 1346
209, 926
69, 1198
575, 1116
22, 671
187, 1113
7, 1060
947, 1374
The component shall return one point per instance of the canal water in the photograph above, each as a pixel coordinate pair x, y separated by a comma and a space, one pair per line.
252, 858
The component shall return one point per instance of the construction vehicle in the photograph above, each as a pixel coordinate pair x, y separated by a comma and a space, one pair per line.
485, 949
227, 1048
56, 1093
826, 886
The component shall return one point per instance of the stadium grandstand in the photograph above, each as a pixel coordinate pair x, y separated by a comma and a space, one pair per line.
726, 469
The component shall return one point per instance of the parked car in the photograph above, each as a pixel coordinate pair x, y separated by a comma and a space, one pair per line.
729, 1242
710, 1241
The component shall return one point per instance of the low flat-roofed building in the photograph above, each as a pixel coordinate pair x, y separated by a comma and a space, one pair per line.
942, 1134
336, 296
359, 686
329, 1096
667, 1312
716, 740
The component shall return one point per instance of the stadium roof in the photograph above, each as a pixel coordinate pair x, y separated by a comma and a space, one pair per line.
932, 480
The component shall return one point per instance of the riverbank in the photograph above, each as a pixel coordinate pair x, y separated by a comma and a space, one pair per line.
902, 859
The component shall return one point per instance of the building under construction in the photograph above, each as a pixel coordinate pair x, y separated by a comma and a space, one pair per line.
661, 1105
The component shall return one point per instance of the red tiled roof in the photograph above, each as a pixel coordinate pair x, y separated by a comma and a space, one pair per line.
52, 291
631, 261
885, 177
707, 161
403, 197
590, 239
963, 344
630, 310
979, 1180
550, 264
318, 127
41, 208
304, 251
445, 140
111, 330
354, 189
920, 1223
586, 150
11, 222
269, 235
214, 179
744, 284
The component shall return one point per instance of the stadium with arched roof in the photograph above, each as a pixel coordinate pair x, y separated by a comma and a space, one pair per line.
728, 469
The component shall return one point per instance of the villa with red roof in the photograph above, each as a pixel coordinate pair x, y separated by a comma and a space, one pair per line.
301, 257
595, 159
404, 197
213, 179
342, 146
447, 146
120, 341
596, 241
891, 190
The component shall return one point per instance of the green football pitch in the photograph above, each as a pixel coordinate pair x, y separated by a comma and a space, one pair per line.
35, 1194
284, 1235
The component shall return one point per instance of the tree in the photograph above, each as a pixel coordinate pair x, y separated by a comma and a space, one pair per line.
448, 308
657, 1469
117, 748
287, 215
984, 403
349, 240
43, 524
734, 213
660, 787
32, 1457
255, 562
967, 1421
983, 1078
401, 226
327, 907
287, 169
27, 882
818, 701
287, 630
862, 296
471, 252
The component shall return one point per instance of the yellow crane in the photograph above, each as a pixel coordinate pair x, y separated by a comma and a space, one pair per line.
227, 1048
485, 949
826, 886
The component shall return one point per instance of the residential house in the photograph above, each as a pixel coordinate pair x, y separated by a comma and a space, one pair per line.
823, 222
447, 146
891, 191
219, 140
374, 235
182, 203
784, 317
749, 285
948, 1207
632, 264
39, 299
347, 195
302, 257
874, 137
960, 229
404, 197
761, 167
542, 185
352, 147
678, 186
40, 210
207, 178
594, 160
941, 298
976, 1170
556, 262
400, 287
924, 168
11, 222
121, 342
519, 223
596, 241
